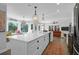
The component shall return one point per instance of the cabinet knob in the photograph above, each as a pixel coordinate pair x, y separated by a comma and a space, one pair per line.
37, 47
38, 41
44, 39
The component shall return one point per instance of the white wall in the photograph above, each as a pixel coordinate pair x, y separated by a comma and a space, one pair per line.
12, 13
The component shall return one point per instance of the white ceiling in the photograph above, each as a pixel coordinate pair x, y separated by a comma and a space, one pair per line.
52, 11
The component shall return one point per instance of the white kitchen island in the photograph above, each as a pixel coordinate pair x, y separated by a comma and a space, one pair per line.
29, 44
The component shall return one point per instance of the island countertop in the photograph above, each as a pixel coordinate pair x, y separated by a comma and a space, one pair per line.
28, 36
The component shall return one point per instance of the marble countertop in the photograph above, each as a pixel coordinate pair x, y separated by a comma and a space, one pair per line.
28, 36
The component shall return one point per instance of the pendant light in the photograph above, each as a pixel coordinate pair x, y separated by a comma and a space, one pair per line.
35, 16
43, 21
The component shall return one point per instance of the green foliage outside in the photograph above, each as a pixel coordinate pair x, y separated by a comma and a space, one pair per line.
12, 27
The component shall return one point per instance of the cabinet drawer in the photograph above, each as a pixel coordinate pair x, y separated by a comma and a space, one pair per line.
37, 46
34, 42
33, 47
32, 50
46, 36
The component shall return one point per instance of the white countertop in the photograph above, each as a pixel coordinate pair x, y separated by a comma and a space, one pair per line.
66, 32
28, 37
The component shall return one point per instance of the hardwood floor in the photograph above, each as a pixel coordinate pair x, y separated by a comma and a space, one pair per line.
8, 52
57, 47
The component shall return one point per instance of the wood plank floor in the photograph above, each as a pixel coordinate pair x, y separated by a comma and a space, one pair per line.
57, 47
8, 52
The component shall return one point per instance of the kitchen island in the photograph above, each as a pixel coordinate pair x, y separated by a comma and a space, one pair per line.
33, 43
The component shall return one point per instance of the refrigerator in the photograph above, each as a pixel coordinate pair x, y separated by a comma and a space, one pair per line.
76, 30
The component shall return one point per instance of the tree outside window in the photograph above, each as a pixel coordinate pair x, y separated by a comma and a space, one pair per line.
24, 27
12, 27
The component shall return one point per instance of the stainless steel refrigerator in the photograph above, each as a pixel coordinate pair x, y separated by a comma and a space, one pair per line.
76, 30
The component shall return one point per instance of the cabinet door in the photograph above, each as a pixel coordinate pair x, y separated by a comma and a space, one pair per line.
37, 46
17, 47
47, 39
44, 41
33, 47
41, 45
2, 21
2, 41
32, 50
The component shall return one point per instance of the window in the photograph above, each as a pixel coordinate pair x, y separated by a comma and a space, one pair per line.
31, 26
35, 27
39, 27
12, 25
24, 27
49, 28
65, 28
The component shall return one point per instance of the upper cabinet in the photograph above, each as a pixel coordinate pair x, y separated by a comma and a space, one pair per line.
2, 21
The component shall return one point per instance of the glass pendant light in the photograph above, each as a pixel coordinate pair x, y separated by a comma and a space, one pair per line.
35, 16
43, 21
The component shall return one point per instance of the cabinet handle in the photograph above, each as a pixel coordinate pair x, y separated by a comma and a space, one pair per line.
37, 41
37, 47
44, 39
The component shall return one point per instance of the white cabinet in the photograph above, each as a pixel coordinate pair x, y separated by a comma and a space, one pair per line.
37, 46
34, 47
44, 42
51, 36
18, 47
2, 42
41, 45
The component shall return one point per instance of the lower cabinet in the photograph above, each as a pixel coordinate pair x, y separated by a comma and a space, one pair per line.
34, 47
2, 42
17, 47
37, 46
